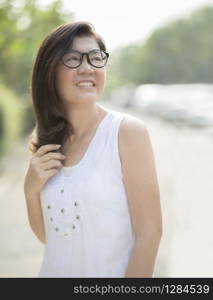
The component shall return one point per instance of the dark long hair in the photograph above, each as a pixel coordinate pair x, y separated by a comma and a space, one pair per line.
51, 125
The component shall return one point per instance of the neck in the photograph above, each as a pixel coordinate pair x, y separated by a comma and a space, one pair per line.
83, 118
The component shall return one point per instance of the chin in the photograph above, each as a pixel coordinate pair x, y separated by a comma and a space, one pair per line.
87, 97
82, 98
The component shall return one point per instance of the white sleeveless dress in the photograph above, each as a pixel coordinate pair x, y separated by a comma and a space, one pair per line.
86, 214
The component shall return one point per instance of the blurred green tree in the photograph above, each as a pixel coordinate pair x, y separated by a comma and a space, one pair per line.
23, 25
180, 52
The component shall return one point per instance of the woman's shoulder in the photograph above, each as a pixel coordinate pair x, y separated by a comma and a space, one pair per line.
132, 126
133, 137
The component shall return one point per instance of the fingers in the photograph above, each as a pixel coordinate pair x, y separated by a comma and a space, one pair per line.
43, 165
46, 148
52, 155
51, 172
44, 159
52, 164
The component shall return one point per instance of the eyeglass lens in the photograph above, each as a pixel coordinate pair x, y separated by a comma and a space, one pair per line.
73, 59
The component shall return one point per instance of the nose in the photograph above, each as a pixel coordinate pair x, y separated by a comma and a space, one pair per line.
85, 66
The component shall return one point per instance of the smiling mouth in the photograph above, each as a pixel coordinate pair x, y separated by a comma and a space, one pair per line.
85, 84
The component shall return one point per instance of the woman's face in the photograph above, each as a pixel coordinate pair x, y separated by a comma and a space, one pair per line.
68, 80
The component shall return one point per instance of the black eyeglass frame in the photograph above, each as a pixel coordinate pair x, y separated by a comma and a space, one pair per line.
82, 57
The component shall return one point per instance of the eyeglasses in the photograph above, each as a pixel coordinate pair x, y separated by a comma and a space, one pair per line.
96, 58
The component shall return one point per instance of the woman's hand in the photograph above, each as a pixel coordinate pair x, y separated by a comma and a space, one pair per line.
43, 165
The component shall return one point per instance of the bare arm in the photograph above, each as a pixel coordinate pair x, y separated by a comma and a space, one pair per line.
35, 216
140, 179
43, 165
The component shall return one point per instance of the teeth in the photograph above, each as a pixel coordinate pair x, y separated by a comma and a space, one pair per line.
85, 84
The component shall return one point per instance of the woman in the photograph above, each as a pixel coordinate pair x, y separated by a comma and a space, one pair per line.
91, 187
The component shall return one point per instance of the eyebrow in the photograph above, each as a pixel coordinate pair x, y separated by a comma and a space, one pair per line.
96, 49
